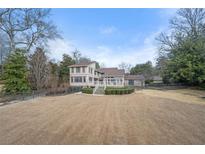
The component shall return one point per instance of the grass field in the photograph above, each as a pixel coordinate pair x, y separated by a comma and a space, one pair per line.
144, 117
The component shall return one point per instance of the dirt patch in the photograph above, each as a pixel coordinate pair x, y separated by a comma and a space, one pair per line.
139, 118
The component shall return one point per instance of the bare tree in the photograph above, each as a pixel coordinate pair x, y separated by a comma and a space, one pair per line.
4, 48
53, 80
27, 27
76, 55
125, 66
189, 22
39, 69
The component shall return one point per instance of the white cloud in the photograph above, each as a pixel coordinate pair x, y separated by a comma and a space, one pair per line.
58, 47
110, 56
108, 30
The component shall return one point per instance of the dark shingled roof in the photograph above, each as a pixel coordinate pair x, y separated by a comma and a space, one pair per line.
134, 77
82, 64
111, 71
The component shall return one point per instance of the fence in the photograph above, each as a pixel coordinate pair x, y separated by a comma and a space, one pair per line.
7, 97
165, 86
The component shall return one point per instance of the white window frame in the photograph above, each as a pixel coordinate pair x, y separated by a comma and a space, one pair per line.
77, 69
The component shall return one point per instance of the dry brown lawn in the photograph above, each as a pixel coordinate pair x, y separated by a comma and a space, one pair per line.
1, 85
145, 117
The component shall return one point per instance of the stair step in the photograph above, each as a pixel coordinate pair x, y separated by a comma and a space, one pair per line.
99, 90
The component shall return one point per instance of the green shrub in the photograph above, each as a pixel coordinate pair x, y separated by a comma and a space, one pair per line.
87, 90
148, 81
119, 91
107, 92
113, 91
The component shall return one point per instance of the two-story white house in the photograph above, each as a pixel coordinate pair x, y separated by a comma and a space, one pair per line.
86, 74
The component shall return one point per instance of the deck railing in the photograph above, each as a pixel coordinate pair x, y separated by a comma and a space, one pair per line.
108, 83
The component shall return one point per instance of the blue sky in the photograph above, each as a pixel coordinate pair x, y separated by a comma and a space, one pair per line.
110, 36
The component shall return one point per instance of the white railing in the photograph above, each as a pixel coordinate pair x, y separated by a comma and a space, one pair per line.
99, 83
96, 87
109, 83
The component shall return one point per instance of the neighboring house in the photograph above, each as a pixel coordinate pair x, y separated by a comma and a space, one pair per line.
157, 79
134, 80
86, 74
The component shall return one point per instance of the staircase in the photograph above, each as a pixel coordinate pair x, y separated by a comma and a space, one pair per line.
99, 90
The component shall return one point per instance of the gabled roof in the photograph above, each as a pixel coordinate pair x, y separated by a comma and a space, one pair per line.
82, 64
134, 77
114, 71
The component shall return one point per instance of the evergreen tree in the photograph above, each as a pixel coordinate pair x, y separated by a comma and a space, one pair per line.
64, 67
16, 73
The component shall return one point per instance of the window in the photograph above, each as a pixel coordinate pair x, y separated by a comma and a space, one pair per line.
131, 82
90, 70
84, 79
78, 79
90, 79
71, 79
72, 70
78, 70
83, 69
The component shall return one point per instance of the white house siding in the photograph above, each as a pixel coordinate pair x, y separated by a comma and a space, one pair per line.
114, 81
89, 73
110, 77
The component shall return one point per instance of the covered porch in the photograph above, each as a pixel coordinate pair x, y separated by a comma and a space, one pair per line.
110, 81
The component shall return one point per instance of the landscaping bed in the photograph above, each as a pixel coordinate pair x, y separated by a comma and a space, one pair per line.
119, 90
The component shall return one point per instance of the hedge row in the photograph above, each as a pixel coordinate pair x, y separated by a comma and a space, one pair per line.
119, 91
87, 90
